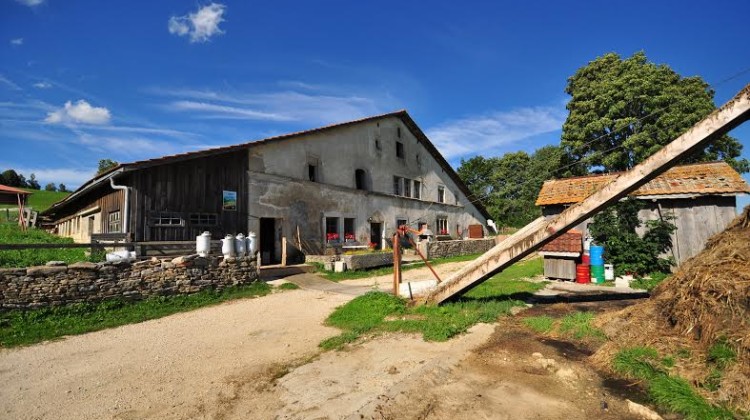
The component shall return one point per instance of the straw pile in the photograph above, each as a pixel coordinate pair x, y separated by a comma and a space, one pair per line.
706, 301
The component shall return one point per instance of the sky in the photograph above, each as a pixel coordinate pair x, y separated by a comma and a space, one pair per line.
87, 80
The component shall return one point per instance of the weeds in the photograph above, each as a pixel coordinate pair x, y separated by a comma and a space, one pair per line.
578, 324
288, 286
541, 324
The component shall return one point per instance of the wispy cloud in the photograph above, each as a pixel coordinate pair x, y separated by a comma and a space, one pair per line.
42, 85
31, 3
16, 42
201, 25
467, 136
282, 106
79, 112
9, 84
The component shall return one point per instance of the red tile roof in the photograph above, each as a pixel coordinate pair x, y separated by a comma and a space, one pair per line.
570, 241
698, 178
13, 190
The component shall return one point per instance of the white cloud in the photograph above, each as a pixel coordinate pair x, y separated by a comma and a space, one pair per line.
30, 3
80, 112
9, 83
42, 85
16, 41
274, 106
468, 136
201, 25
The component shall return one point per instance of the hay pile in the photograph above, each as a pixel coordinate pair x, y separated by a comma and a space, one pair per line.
706, 301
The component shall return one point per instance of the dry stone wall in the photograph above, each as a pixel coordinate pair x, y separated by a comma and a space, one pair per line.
444, 249
55, 285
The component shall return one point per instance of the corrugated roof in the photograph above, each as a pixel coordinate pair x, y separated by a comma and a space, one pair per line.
697, 178
570, 241
13, 190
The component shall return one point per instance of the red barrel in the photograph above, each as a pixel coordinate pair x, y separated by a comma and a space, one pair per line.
586, 259
583, 273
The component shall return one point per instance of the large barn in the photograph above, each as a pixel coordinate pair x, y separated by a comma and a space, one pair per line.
702, 197
356, 180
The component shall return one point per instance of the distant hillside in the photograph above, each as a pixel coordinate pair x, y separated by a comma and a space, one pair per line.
41, 200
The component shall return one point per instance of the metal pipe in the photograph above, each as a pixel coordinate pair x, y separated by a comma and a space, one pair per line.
126, 207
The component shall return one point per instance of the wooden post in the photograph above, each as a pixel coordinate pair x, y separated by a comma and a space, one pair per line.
396, 264
283, 251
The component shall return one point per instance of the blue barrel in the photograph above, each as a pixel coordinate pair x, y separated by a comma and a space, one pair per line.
597, 255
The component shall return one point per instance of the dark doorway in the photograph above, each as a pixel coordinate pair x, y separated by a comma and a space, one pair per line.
376, 232
268, 241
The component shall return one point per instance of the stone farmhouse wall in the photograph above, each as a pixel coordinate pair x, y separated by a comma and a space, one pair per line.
444, 249
43, 286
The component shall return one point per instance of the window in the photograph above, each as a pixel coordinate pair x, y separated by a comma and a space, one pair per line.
349, 233
332, 229
397, 185
115, 226
398, 132
360, 179
442, 225
400, 222
204, 219
441, 195
399, 149
312, 172
419, 160
165, 218
377, 144
417, 190
407, 187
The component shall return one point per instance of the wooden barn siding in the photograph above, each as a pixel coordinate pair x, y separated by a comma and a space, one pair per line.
697, 219
560, 267
109, 203
193, 186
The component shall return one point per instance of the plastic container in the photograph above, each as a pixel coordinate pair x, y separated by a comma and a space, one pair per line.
583, 273
227, 246
609, 272
586, 259
597, 272
597, 255
203, 244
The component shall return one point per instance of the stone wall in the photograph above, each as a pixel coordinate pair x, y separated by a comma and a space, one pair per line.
56, 285
444, 249
369, 260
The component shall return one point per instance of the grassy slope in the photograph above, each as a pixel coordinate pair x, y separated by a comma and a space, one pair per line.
41, 200
10, 233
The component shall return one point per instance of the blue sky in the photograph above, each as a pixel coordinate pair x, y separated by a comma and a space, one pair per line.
85, 80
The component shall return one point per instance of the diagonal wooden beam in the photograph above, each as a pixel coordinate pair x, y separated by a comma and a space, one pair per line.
541, 231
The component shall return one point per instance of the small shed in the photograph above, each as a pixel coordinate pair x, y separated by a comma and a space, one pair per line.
562, 254
702, 197
13, 196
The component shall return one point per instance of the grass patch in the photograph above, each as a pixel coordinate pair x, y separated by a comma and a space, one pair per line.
19, 327
10, 233
379, 312
541, 324
578, 325
648, 284
510, 281
288, 286
382, 271
669, 392
39, 200
721, 354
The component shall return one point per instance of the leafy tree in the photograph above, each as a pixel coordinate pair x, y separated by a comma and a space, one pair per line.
50, 187
33, 183
105, 165
508, 185
12, 179
624, 110
62, 188
616, 227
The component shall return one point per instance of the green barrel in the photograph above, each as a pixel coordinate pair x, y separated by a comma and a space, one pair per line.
597, 272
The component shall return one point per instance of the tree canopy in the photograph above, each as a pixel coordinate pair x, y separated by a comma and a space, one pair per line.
105, 165
508, 185
624, 110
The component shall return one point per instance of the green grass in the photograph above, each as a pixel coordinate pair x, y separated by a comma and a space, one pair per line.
510, 281
288, 286
377, 312
669, 392
648, 284
578, 325
28, 257
541, 324
40, 200
721, 354
19, 327
382, 271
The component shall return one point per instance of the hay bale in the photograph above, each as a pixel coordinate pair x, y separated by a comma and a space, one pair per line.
706, 300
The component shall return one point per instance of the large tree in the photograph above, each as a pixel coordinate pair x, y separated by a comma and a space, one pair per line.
624, 110
105, 165
508, 185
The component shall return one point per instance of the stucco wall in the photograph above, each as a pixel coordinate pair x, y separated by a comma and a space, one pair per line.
87, 282
444, 249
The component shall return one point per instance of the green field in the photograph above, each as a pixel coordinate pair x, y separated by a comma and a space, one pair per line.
41, 200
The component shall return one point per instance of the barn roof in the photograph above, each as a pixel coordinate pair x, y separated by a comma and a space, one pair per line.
694, 179
402, 115
13, 190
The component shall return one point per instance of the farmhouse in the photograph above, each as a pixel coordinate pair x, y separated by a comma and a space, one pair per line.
354, 181
702, 197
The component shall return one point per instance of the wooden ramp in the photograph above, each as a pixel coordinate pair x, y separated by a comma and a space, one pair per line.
540, 231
